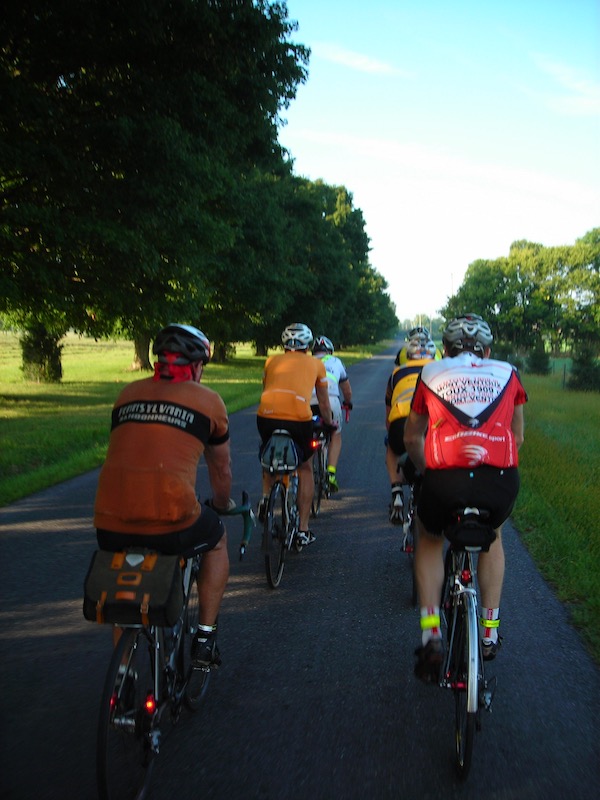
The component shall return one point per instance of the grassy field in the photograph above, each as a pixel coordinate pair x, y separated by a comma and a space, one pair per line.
54, 432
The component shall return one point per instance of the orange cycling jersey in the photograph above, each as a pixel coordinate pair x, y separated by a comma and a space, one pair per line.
288, 382
159, 432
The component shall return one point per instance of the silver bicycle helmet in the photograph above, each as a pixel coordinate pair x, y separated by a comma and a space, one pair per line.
469, 332
416, 347
418, 331
323, 345
188, 342
297, 336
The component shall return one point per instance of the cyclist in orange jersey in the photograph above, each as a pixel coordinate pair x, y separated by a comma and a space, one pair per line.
288, 381
146, 496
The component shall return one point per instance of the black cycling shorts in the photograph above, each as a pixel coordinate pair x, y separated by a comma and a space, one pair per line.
200, 537
396, 436
301, 433
444, 491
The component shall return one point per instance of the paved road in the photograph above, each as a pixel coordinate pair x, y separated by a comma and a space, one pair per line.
316, 697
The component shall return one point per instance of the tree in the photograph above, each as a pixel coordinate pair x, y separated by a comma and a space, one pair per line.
126, 130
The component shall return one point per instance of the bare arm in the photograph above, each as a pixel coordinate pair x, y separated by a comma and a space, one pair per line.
346, 391
324, 404
414, 439
518, 425
218, 461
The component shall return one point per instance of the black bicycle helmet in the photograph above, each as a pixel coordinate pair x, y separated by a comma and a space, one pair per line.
323, 345
188, 342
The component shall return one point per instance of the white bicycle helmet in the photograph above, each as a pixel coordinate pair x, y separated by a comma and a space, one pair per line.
469, 332
188, 342
323, 345
431, 348
418, 331
297, 336
417, 347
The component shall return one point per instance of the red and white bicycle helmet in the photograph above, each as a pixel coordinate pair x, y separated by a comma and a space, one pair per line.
297, 336
188, 342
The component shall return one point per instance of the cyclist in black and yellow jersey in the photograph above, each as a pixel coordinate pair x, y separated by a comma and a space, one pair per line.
420, 350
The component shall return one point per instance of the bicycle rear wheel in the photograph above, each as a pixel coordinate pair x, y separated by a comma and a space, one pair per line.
196, 680
274, 535
465, 686
124, 751
318, 481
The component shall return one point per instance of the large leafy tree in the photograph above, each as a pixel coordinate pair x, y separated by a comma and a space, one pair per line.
127, 129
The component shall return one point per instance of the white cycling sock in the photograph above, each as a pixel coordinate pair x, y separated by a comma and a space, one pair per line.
489, 621
430, 624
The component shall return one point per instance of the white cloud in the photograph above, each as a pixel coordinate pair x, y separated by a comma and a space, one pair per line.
356, 61
581, 95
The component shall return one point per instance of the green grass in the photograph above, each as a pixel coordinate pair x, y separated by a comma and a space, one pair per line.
50, 433
558, 510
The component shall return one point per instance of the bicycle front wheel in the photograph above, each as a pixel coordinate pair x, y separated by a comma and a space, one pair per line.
465, 686
125, 753
274, 536
196, 680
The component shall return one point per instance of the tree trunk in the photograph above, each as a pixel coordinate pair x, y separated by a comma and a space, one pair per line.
222, 352
261, 349
41, 355
141, 359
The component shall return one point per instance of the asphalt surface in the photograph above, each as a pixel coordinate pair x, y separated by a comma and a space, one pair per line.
316, 696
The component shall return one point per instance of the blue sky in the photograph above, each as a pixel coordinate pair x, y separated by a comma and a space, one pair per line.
459, 128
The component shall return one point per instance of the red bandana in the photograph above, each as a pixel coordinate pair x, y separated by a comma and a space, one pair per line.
176, 373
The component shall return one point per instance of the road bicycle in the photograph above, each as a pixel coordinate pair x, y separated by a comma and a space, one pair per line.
320, 445
463, 666
279, 457
150, 678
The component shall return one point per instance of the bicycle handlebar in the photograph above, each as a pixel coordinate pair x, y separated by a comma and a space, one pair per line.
244, 509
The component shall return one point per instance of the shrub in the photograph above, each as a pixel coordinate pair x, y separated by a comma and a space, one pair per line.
538, 361
585, 373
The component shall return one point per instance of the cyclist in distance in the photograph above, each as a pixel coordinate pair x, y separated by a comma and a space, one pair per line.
146, 496
337, 380
398, 394
288, 381
402, 354
463, 433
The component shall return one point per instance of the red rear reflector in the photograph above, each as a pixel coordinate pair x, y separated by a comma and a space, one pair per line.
150, 704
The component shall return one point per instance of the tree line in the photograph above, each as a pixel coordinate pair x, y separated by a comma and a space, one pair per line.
142, 181
537, 296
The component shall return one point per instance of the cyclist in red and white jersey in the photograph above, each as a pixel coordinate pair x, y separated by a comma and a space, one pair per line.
463, 434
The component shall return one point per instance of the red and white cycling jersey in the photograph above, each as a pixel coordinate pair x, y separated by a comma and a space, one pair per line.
470, 403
